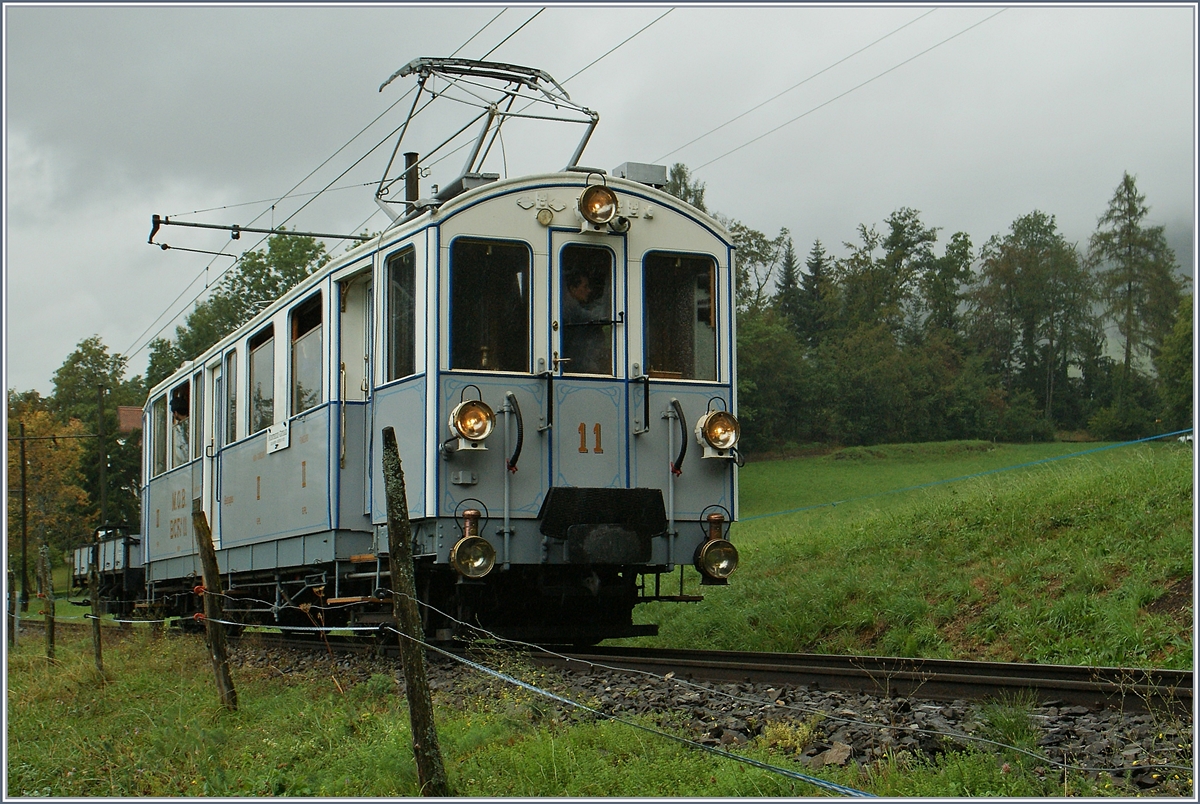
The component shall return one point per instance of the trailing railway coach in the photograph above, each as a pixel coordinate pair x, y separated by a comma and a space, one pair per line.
555, 353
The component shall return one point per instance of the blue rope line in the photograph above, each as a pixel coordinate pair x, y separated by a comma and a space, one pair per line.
813, 780
962, 477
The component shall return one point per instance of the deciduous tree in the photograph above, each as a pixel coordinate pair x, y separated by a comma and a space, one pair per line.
75, 396
56, 502
259, 278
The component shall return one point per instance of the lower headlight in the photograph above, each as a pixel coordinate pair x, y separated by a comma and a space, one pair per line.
472, 557
472, 420
716, 559
719, 429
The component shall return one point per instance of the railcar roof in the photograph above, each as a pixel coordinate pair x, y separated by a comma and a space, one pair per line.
433, 217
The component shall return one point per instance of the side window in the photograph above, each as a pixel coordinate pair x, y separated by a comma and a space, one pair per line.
158, 436
586, 309
306, 355
401, 315
181, 409
230, 383
489, 305
198, 439
681, 331
262, 380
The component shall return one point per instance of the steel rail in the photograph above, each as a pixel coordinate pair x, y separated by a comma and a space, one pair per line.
1132, 689
1124, 688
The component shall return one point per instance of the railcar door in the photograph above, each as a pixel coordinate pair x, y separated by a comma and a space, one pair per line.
353, 377
588, 343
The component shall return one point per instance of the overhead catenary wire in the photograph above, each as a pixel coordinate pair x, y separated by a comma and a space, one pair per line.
778, 95
576, 74
135, 349
852, 89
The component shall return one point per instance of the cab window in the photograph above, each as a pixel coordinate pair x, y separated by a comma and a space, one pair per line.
489, 305
586, 300
158, 436
181, 410
306, 355
681, 329
402, 315
262, 380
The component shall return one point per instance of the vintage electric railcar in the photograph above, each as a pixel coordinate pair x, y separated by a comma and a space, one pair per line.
555, 353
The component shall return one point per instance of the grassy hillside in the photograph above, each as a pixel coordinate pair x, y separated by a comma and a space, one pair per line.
1085, 560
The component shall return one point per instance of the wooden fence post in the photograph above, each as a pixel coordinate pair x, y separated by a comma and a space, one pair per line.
214, 630
431, 774
13, 617
48, 591
94, 585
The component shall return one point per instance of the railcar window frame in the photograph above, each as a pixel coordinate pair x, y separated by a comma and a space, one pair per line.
158, 435
585, 312
307, 354
668, 354
260, 348
179, 430
401, 314
477, 305
198, 414
229, 381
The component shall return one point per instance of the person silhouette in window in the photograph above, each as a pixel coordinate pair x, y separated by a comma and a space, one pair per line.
586, 323
179, 426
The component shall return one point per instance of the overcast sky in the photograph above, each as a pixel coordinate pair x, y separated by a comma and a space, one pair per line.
973, 115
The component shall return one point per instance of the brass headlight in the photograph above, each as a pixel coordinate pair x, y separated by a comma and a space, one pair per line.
716, 559
472, 420
472, 557
598, 204
720, 429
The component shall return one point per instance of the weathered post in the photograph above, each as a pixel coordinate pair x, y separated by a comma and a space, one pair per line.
48, 591
213, 629
24, 525
431, 774
94, 583
13, 617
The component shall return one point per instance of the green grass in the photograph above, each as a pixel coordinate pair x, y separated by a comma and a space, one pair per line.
1081, 561
154, 728
860, 472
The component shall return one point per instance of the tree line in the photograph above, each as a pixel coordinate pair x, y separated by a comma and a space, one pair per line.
900, 341
64, 492
890, 342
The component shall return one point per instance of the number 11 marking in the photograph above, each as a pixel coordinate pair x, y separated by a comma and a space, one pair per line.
583, 438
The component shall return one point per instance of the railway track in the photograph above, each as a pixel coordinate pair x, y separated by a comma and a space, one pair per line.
933, 679
1129, 689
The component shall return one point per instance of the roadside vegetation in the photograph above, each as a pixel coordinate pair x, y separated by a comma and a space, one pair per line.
154, 728
1086, 560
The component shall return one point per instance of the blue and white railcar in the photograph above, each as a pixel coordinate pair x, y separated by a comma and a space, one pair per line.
556, 355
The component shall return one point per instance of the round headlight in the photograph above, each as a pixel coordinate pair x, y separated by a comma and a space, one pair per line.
598, 204
716, 558
472, 557
472, 420
720, 429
